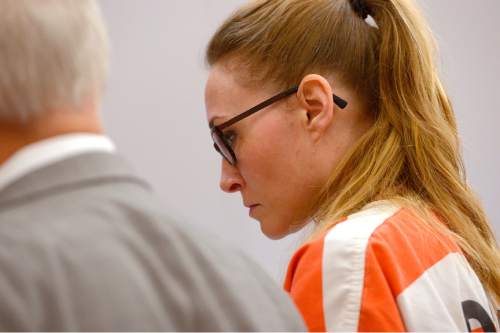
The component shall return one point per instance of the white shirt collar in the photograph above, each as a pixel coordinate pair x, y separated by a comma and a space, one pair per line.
42, 153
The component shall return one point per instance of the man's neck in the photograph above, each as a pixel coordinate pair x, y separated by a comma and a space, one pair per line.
14, 136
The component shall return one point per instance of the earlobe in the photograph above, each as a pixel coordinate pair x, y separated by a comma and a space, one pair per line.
315, 97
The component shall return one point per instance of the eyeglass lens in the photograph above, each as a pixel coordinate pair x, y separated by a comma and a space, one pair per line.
221, 146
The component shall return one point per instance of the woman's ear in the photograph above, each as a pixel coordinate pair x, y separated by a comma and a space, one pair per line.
315, 96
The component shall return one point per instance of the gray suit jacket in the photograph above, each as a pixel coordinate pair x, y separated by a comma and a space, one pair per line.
84, 246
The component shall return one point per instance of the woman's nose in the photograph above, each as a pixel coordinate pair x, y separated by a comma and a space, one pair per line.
230, 178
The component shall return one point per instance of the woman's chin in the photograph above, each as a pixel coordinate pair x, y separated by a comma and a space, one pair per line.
274, 236
271, 231
277, 231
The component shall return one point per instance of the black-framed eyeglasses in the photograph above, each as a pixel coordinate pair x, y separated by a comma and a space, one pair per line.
222, 144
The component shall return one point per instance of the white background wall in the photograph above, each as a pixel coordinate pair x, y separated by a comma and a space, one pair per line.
154, 107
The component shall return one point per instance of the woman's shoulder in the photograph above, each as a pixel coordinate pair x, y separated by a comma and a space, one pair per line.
393, 226
379, 256
381, 236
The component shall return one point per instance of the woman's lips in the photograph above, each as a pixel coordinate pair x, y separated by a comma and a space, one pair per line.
252, 208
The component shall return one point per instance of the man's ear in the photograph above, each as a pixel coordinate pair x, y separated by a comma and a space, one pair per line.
315, 96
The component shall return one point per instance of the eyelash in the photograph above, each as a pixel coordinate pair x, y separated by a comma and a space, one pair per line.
230, 137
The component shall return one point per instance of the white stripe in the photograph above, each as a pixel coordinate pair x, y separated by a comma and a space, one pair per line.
344, 265
433, 302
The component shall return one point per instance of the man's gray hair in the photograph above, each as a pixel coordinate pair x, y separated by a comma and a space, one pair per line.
53, 54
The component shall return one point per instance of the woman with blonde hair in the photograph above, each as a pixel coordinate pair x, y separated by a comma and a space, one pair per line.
356, 135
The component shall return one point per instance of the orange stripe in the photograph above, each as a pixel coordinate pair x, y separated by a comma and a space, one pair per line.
398, 252
304, 283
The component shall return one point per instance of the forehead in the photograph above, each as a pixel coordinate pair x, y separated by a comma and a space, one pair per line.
221, 84
227, 94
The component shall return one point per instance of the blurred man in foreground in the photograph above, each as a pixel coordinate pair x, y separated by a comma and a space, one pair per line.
84, 246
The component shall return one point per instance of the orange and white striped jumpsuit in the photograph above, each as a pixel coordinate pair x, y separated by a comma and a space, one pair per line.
384, 269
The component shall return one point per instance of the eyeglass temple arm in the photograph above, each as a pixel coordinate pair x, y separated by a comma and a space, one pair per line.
341, 103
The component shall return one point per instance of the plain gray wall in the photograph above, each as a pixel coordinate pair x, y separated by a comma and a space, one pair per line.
154, 109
